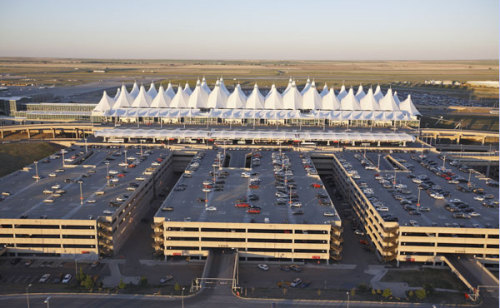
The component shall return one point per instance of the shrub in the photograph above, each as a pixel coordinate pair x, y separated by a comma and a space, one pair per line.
143, 282
177, 287
374, 292
387, 293
362, 287
88, 283
429, 289
353, 291
420, 293
410, 294
121, 285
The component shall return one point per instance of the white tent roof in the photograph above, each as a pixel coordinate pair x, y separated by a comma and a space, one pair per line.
378, 93
180, 99
349, 102
387, 103
170, 91
273, 99
135, 90
306, 87
199, 98
217, 99
124, 100
396, 98
368, 102
223, 87
187, 89
255, 100
342, 93
324, 91
360, 94
330, 101
161, 100
237, 99
292, 99
290, 81
408, 106
152, 90
204, 85
142, 99
105, 104
311, 98
117, 94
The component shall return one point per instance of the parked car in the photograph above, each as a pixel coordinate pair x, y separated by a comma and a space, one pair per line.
263, 267
67, 278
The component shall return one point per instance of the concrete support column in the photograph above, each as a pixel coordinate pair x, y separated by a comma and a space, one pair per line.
353, 143
28, 132
483, 140
1, 132
53, 133
378, 143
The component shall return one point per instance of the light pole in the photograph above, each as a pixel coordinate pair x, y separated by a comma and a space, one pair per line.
86, 149
182, 297
36, 170
378, 162
444, 161
347, 298
62, 155
470, 174
418, 198
28, 295
107, 172
141, 147
125, 156
290, 202
46, 301
81, 192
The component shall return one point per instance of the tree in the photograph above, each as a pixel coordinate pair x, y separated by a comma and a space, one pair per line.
362, 287
353, 291
387, 293
410, 294
420, 293
80, 276
121, 285
177, 287
429, 289
88, 283
143, 282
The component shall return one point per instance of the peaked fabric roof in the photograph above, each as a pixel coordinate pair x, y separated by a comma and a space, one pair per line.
170, 91
330, 101
292, 98
199, 98
396, 98
306, 87
342, 93
378, 93
273, 99
349, 102
204, 85
135, 90
187, 89
223, 87
388, 103
142, 99
180, 99
105, 104
217, 99
324, 91
407, 105
117, 94
152, 90
360, 94
369, 102
311, 98
237, 99
255, 100
290, 81
124, 100
161, 100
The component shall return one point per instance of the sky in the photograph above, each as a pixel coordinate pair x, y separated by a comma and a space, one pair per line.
251, 29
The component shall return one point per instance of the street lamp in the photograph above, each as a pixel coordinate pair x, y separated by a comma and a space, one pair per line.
86, 149
125, 151
470, 174
107, 172
182, 296
81, 191
444, 161
28, 295
418, 198
378, 162
46, 301
347, 298
62, 155
36, 170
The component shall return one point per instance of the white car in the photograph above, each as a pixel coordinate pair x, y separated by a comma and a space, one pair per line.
328, 214
479, 198
207, 190
474, 214
383, 209
211, 208
107, 212
245, 174
67, 278
57, 186
91, 201
113, 172
360, 233
52, 175
263, 267
44, 278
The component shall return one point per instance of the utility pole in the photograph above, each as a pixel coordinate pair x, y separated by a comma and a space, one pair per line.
36, 171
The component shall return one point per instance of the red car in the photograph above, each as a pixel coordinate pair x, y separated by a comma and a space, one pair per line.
316, 185
242, 204
254, 186
121, 175
254, 210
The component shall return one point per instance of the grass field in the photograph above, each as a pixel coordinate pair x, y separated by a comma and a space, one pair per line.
14, 156
77, 71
